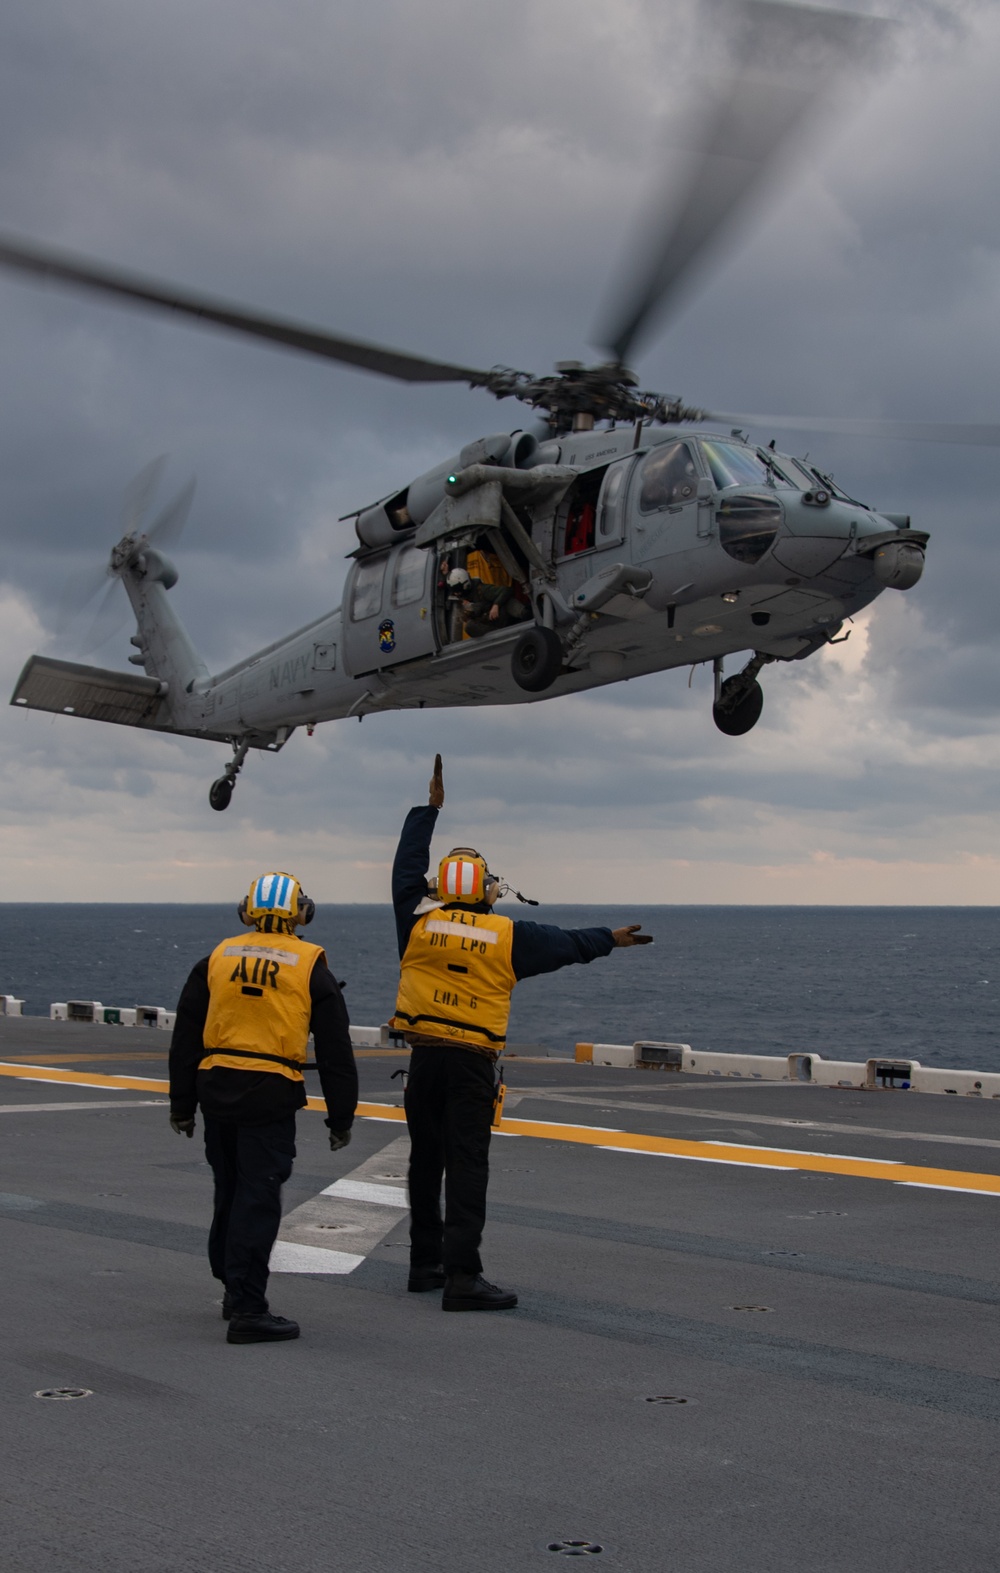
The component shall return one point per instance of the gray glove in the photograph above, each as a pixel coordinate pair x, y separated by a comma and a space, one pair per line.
339, 1139
182, 1127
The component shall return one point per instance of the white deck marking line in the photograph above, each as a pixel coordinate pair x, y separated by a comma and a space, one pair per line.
287, 1257
356, 1211
360, 1191
57, 1108
688, 1157
804, 1152
923, 1185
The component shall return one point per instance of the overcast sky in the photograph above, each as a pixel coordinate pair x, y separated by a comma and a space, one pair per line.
462, 180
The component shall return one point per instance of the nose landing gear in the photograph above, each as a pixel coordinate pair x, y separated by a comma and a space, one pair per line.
740, 699
220, 793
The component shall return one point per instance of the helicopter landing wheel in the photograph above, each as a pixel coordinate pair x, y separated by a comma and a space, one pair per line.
737, 713
220, 793
536, 660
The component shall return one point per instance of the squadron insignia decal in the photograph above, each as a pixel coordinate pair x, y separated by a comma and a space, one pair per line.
387, 636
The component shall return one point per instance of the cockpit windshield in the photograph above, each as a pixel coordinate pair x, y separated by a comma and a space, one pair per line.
788, 472
733, 464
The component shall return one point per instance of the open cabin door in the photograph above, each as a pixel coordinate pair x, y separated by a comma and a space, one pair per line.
388, 608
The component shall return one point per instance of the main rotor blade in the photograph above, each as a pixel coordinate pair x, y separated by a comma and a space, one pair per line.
41, 262
789, 59
977, 436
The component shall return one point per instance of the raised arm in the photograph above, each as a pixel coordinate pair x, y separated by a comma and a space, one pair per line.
409, 869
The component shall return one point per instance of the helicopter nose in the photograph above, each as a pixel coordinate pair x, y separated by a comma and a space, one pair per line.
817, 533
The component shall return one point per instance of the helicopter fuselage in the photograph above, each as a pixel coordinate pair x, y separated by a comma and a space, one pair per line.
634, 550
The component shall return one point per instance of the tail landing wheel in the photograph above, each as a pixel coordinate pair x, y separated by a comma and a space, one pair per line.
220, 793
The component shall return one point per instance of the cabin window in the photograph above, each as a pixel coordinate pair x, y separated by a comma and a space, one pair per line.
747, 526
410, 575
669, 477
366, 596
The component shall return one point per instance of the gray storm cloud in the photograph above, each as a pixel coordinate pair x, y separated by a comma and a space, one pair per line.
432, 179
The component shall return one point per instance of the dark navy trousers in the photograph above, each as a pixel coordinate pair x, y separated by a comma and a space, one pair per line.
449, 1112
250, 1164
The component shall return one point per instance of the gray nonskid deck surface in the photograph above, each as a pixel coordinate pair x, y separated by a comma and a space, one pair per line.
851, 1425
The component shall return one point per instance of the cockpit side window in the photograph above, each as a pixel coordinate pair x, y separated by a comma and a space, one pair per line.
669, 477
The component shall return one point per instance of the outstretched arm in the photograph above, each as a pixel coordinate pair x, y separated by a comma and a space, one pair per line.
540, 947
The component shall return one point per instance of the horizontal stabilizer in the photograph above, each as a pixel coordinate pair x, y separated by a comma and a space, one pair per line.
65, 688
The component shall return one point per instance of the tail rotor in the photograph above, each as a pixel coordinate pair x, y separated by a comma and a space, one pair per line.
109, 615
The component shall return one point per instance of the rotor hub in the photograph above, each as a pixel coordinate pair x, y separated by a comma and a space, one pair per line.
603, 393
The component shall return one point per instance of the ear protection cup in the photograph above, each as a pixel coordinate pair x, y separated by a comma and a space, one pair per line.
307, 908
243, 915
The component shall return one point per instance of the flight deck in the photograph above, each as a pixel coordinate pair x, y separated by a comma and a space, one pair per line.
757, 1330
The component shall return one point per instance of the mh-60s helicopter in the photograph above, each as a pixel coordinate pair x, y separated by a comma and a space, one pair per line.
618, 545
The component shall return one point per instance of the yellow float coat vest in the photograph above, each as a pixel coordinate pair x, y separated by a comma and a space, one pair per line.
259, 1004
456, 978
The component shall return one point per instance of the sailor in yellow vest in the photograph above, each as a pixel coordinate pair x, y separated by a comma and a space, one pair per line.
238, 1052
459, 963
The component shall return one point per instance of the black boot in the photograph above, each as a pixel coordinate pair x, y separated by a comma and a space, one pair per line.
227, 1306
259, 1327
471, 1292
426, 1277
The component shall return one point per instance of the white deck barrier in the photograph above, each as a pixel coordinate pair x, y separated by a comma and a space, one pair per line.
886, 1073
112, 1015
9, 1006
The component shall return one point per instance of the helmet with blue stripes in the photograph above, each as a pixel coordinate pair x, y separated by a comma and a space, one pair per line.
278, 897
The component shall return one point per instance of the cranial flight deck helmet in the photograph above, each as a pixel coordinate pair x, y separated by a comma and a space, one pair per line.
463, 876
276, 902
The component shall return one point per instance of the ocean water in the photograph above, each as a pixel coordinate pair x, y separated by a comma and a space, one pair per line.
841, 981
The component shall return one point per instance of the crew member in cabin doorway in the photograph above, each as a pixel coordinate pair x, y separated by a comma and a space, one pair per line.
238, 1052
459, 962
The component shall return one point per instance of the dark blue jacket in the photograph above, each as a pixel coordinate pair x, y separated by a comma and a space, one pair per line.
538, 947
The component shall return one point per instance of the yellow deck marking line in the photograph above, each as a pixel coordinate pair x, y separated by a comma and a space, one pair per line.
82, 1078
146, 1054
615, 1140
87, 1059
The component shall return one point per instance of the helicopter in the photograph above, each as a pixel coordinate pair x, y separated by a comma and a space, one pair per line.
614, 534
